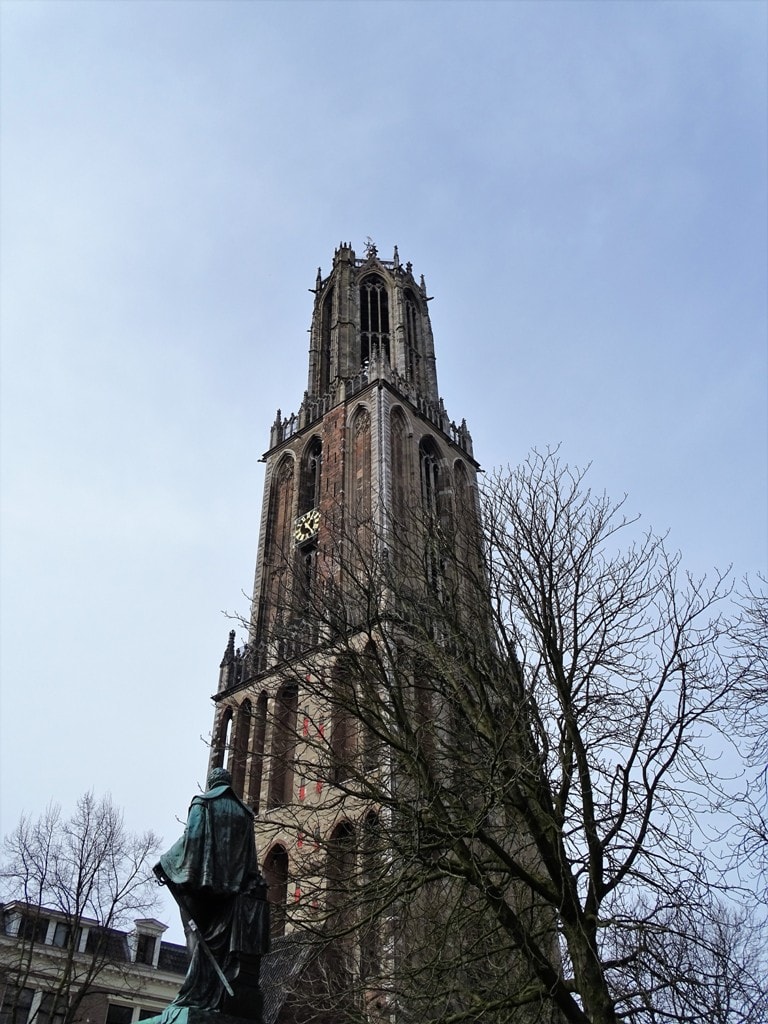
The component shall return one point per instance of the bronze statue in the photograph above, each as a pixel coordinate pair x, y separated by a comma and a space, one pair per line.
213, 874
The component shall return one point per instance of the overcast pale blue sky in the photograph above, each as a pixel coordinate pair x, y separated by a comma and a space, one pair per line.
583, 186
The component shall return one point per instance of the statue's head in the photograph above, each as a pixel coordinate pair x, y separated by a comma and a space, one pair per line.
219, 777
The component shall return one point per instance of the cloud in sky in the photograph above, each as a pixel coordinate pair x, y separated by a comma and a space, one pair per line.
583, 186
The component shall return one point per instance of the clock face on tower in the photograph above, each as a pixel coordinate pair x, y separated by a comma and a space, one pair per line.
307, 525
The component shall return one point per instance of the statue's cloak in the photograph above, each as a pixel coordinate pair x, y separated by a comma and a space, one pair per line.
217, 851
214, 874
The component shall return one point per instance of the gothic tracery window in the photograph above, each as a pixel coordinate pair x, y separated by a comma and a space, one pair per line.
374, 319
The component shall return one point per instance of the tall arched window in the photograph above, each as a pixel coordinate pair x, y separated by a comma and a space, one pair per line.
429, 462
340, 867
400, 467
374, 319
238, 752
276, 877
257, 753
360, 486
412, 336
283, 745
222, 738
467, 539
371, 707
304, 589
305, 559
433, 500
278, 547
311, 467
325, 342
280, 509
342, 720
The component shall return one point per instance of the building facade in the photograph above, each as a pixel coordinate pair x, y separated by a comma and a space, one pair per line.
98, 976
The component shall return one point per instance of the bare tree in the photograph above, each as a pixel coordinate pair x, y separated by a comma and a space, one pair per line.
749, 635
518, 715
701, 963
94, 876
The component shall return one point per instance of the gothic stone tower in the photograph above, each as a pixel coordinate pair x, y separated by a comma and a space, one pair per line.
371, 439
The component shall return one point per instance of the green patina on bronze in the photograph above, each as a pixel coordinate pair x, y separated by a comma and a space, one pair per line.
212, 872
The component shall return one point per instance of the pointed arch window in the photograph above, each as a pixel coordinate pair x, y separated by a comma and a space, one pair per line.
400, 466
433, 505
342, 721
222, 738
280, 508
412, 337
276, 877
257, 753
467, 536
431, 482
283, 745
370, 707
238, 751
340, 867
305, 613
311, 473
277, 549
374, 319
360, 489
325, 342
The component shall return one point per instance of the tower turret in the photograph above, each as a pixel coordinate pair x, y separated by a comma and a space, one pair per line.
370, 316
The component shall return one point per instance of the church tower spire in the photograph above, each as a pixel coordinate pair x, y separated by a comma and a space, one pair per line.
370, 443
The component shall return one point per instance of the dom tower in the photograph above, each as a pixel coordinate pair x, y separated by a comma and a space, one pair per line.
362, 482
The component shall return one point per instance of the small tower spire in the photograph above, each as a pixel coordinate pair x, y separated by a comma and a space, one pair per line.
229, 652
